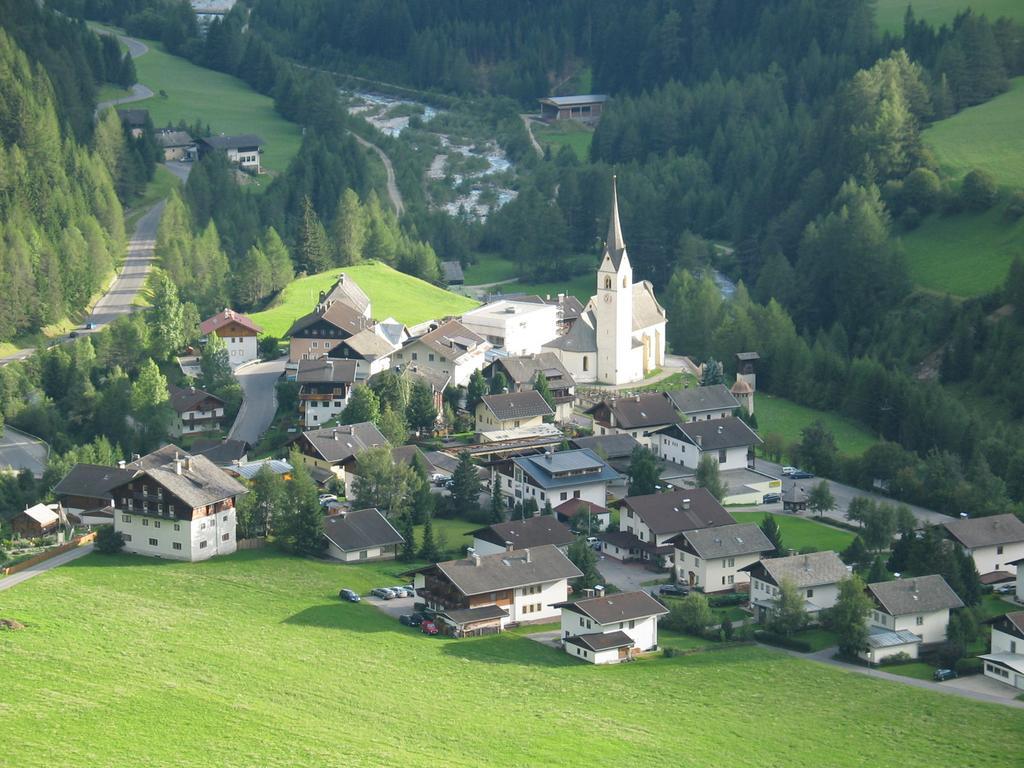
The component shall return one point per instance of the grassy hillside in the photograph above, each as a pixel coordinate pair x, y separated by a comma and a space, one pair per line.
800, 532
565, 133
252, 660
786, 418
988, 136
226, 103
889, 13
392, 294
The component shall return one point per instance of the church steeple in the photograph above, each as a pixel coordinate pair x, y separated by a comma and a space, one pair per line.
615, 246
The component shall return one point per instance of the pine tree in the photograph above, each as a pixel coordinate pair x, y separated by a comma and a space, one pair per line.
165, 318
392, 426
215, 366
314, 248
644, 472
708, 476
408, 553
497, 503
428, 549
421, 412
541, 386
281, 270
583, 557
770, 528
878, 572
303, 532
362, 406
349, 229
465, 487
476, 389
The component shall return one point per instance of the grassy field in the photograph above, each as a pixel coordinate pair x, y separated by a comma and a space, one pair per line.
774, 414
489, 268
800, 532
453, 533
889, 13
964, 255
580, 286
252, 660
226, 103
987, 136
393, 294
565, 133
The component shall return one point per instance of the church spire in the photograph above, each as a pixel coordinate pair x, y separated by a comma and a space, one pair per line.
615, 242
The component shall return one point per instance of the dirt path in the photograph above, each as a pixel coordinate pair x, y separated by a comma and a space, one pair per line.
528, 122
393, 192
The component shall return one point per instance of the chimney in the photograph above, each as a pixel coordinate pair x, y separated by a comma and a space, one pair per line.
473, 556
509, 546
187, 463
599, 590
913, 586
547, 456
177, 466
121, 464
686, 503
719, 429
527, 552
807, 563
700, 441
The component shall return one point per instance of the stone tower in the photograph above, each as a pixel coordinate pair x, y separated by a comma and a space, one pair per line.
613, 305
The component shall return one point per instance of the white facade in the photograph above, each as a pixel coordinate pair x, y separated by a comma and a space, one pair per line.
241, 349
1020, 585
319, 412
689, 455
194, 422
1011, 670
198, 539
533, 603
930, 626
613, 312
519, 488
249, 159
878, 655
355, 555
643, 632
717, 575
519, 327
763, 596
427, 359
997, 557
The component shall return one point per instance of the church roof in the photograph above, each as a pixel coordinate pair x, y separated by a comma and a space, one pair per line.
615, 246
646, 309
581, 336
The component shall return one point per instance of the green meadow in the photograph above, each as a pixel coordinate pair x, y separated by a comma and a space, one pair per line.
786, 418
565, 133
252, 660
889, 13
801, 532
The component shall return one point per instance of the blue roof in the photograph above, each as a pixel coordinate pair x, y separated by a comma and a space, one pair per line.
555, 470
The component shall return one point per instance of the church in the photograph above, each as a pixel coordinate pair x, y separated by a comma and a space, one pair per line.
620, 335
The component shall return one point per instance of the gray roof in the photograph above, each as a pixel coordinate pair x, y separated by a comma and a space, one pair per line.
369, 345
716, 397
361, 529
169, 139
622, 606
986, 531
220, 452
451, 271
200, 482
249, 469
469, 615
233, 142
646, 309
326, 370
808, 570
602, 641
346, 291
553, 470
340, 314
616, 446
524, 369
336, 444
92, 480
506, 570
571, 101
581, 336
795, 493
523, 534
920, 594
679, 510
451, 339
715, 434
648, 409
724, 541
517, 405
886, 638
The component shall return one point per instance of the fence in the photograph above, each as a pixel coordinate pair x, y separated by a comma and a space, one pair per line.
73, 544
258, 543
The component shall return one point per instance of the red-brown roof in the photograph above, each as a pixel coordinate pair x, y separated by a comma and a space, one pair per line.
227, 316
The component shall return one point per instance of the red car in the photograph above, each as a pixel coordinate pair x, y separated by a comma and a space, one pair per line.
428, 627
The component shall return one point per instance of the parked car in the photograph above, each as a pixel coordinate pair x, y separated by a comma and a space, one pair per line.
419, 617
383, 593
438, 479
429, 628
349, 595
90, 326
327, 498
409, 620
678, 590
944, 674
593, 542
771, 498
1005, 589
786, 470
449, 483
800, 474
402, 591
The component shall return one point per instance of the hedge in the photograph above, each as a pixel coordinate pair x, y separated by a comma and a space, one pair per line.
771, 638
971, 666
723, 601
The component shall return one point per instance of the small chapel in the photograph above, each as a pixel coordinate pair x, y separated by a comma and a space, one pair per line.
620, 336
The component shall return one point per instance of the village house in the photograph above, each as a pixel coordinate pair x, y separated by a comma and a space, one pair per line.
370, 351
177, 506
86, 492
330, 453
195, 411
648, 523
729, 441
239, 334
638, 416
512, 410
341, 311
704, 403
176, 145
325, 386
519, 328
521, 534
616, 449
487, 593
584, 516
243, 150
364, 534
555, 477
1020, 579
712, 559
613, 628
994, 543
816, 575
1005, 660
585, 108
521, 374
451, 349
919, 606
135, 120
436, 380
36, 521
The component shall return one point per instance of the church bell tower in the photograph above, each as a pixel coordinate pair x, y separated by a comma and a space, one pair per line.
613, 305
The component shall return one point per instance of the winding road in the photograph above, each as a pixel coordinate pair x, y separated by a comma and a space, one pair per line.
393, 192
139, 92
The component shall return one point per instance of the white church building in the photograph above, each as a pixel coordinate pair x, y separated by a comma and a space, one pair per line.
620, 336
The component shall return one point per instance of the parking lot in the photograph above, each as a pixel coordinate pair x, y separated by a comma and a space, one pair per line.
626, 576
393, 608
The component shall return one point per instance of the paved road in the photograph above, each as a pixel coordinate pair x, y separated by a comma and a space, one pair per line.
181, 170
64, 557
22, 451
139, 93
258, 382
393, 192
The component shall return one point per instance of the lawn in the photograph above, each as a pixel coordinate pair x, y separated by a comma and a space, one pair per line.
581, 286
671, 383
993, 605
565, 133
889, 13
251, 660
774, 414
987, 136
226, 103
800, 532
393, 294
819, 638
918, 670
966, 254
489, 268
450, 534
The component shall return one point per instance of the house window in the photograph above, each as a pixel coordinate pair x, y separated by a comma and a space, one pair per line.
127, 536
363, 554
415, 356
156, 523
810, 593
575, 494
920, 621
586, 366
176, 545
607, 283
225, 537
225, 518
730, 562
202, 545
430, 357
1013, 646
153, 543
202, 526
563, 496
145, 521
722, 456
126, 518
731, 579
999, 549
632, 623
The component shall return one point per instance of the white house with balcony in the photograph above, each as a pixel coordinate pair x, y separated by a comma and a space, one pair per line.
555, 477
195, 410
451, 350
613, 628
816, 575
729, 441
907, 614
995, 543
712, 559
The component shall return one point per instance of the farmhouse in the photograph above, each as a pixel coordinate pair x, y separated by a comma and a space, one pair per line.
521, 375
555, 477
239, 334
486, 593
729, 441
135, 120
368, 349
330, 453
519, 328
638, 416
610, 629
450, 350
364, 534
512, 410
176, 145
704, 403
89, 488
243, 150
325, 385
994, 543
316, 334
920, 605
196, 410
816, 575
584, 108
1005, 660
583, 515
36, 521
711, 559
521, 534
177, 506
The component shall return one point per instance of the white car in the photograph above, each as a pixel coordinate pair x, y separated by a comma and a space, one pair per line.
788, 470
593, 542
327, 498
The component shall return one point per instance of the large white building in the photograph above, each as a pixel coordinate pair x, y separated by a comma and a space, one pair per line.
518, 327
621, 334
450, 350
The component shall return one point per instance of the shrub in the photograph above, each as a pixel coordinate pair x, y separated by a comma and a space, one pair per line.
972, 666
773, 638
897, 658
1015, 208
979, 190
724, 601
109, 541
668, 653
910, 219
922, 190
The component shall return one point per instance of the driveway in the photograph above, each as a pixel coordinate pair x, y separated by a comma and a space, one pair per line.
259, 388
19, 451
983, 685
64, 557
626, 576
181, 170
393, 608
